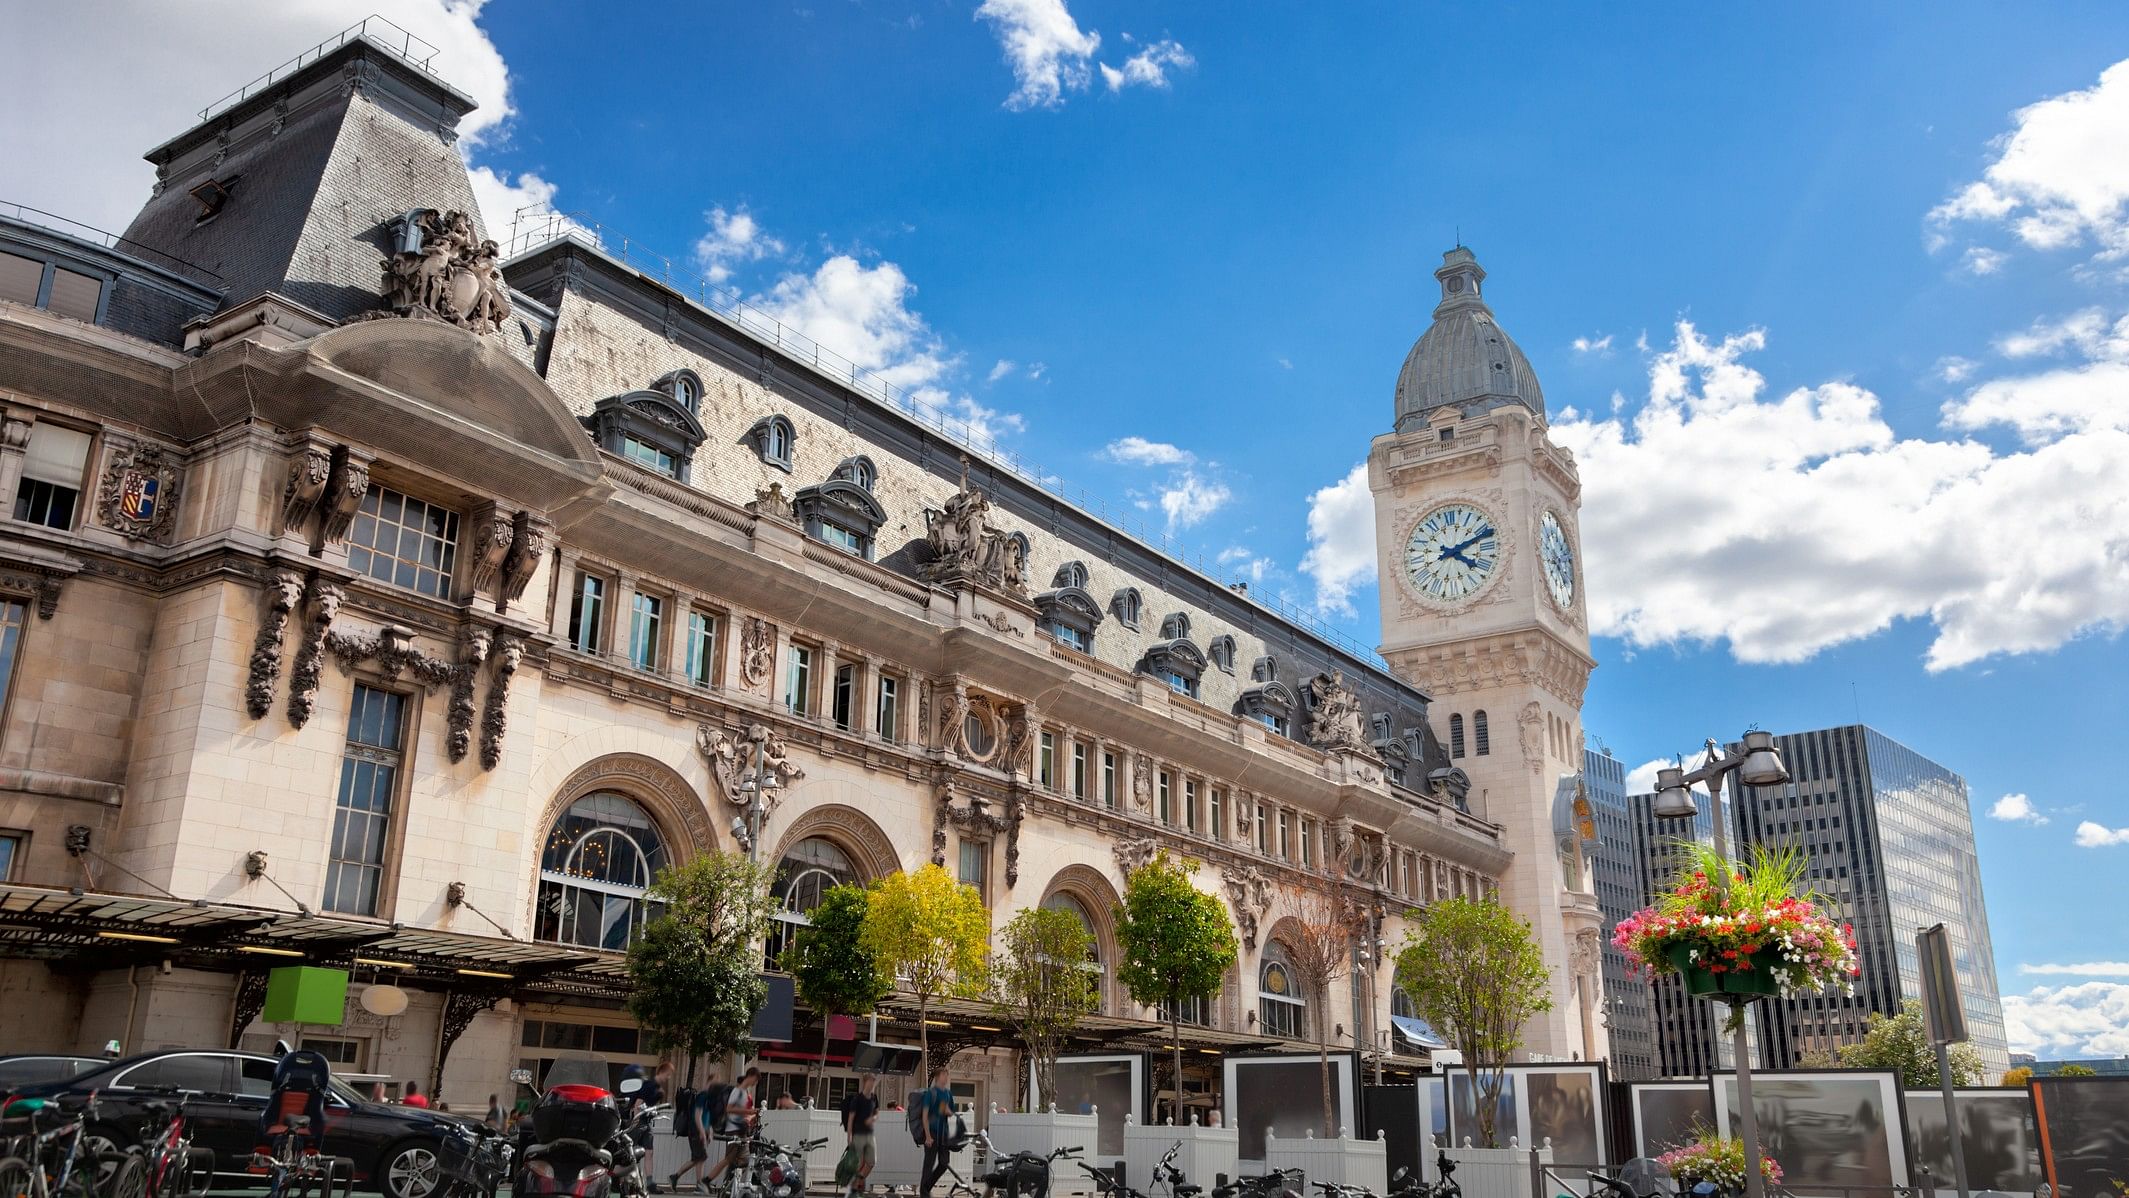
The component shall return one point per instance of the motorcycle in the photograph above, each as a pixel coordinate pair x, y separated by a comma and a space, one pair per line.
630, 1145
1022, 1174
568, 1151
774, 1171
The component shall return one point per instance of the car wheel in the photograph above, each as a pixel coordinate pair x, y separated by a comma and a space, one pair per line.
410, 1170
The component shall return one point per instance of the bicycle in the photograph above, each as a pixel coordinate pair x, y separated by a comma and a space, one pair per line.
36, 1165
1019, 1174
1106, 1185
167, 1153
1337, 1189
294, 1166
1279, 1183
1400, 1187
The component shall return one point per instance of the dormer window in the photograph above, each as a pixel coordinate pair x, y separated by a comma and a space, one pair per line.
648, 428
1268, 702
1125, 605
1068, 613
1174, 659
1264, 669
1175, 627
1071, 574
1222, 653
684, 388
775, 440
858, 471
841, 513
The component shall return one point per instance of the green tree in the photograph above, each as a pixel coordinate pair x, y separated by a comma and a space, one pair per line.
933, 933
2017, 1077
694, 985
1901, 1043
1319, 933
2065, 1071
1042, 984
833, 970
1473, 970
1176, 942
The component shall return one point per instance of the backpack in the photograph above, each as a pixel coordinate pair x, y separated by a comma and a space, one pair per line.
714, 1100
683, 1110
919, 1108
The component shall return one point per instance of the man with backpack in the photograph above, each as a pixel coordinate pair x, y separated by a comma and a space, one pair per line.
688, 1121
859, 1111
728, 1113
933, 1109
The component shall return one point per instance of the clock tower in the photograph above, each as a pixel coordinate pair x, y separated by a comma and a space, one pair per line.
1479, 548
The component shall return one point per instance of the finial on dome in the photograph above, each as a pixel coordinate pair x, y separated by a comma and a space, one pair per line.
1460, 276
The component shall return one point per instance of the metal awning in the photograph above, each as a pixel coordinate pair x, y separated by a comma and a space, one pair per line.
74, 925
1416, 1033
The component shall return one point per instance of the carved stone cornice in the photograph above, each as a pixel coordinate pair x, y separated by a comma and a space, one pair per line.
1405, 472
1530, 656
33, 572
391, 652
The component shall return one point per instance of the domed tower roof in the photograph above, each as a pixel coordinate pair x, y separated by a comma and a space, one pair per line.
1465, 359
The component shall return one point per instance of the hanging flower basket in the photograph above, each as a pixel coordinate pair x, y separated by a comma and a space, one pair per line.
1715, 1159
1762, 935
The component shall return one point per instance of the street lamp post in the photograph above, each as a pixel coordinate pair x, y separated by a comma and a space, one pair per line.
1759, 764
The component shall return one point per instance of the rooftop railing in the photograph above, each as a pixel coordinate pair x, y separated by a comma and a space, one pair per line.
374, 29
533, 230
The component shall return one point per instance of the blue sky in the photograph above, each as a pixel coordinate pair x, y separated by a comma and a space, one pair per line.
1824, 298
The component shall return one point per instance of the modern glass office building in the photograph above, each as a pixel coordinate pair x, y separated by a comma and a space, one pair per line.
1889, 838
1687, 1031
1615, 871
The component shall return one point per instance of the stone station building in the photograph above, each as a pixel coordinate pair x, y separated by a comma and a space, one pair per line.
398, 618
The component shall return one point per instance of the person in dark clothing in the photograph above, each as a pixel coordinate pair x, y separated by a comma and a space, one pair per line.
938, 1107
860, 1110
698, 1134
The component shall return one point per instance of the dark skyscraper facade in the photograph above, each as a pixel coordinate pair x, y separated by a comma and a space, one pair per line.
1887, 835
1686, 1030
1615, 869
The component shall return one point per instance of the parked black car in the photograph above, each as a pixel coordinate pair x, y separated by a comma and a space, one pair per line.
394, 1147
23, 1068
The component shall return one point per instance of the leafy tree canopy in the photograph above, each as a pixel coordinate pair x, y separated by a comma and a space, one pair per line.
1473, 971
1901, 1043
2017, 1077
1177, 942
933, 933
695, 983
2064, 1071
834, 970
1043, 984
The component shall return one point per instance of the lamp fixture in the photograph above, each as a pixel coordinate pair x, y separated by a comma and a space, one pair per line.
143, 937
978, 1027
382, 964
264, 951
487, 973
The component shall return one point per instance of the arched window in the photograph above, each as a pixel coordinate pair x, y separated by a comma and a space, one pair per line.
809, 870
1062, 901
684, 393
1456, 736
1280, 1008
1401, 1004
1479, 741
1071, 574
1126, 606
1222, 653
599, 859
774, 439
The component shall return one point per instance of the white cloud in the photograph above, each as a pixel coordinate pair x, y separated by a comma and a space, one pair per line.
1187, 499
1138, 451
82, 159
1955, 369
2060, 175
1981, 260
1341, 541
861, 313
1148, 67
1787, 525
2100, 836
733, 237
1641, 779
2087, 330
1046, 48
2087, 1019
1284, 363
1601, 346
1004, 367
1245, 563
2090, 969
514, 208
2016, 809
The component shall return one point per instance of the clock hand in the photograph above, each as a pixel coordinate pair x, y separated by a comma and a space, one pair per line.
1481, 535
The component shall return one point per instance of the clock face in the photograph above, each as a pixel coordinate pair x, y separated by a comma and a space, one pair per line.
1559, 559
1454, 552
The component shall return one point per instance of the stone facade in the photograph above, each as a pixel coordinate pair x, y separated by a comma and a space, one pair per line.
185, 714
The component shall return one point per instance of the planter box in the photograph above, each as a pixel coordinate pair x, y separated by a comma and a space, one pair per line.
1207, 1153
1045, 1133
1497, 1172
789, 1127
1759, 981
1343, 1161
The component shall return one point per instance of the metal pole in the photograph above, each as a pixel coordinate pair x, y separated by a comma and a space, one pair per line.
1952, 1130
1747, 1118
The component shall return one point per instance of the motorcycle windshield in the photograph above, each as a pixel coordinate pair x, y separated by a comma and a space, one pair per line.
579, 1069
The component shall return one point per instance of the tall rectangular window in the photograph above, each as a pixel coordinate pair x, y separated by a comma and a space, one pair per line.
1108, 780
587, 613
887, 713
701, 647
1263, 822
1079, 770
10, 852
1164, 786
362, 816
52, 465
844, 704
1046, 761
1190, 804
1308, 843
14, 621
1286, 835
798, 681
1218, 826
975, 865
645, 619
404, 541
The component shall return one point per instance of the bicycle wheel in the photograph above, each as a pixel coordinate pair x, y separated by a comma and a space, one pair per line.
15, 1177
127, 1176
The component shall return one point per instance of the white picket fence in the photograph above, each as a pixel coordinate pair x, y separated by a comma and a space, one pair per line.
1498, 1172
1343, 1161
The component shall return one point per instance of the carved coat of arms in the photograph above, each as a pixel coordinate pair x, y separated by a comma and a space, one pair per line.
138, 496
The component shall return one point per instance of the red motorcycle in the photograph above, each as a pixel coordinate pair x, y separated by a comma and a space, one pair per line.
572, 1127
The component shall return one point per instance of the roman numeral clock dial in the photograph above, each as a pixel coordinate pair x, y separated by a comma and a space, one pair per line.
1453, 553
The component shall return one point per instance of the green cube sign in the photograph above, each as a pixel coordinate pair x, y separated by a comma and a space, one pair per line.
305, 994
